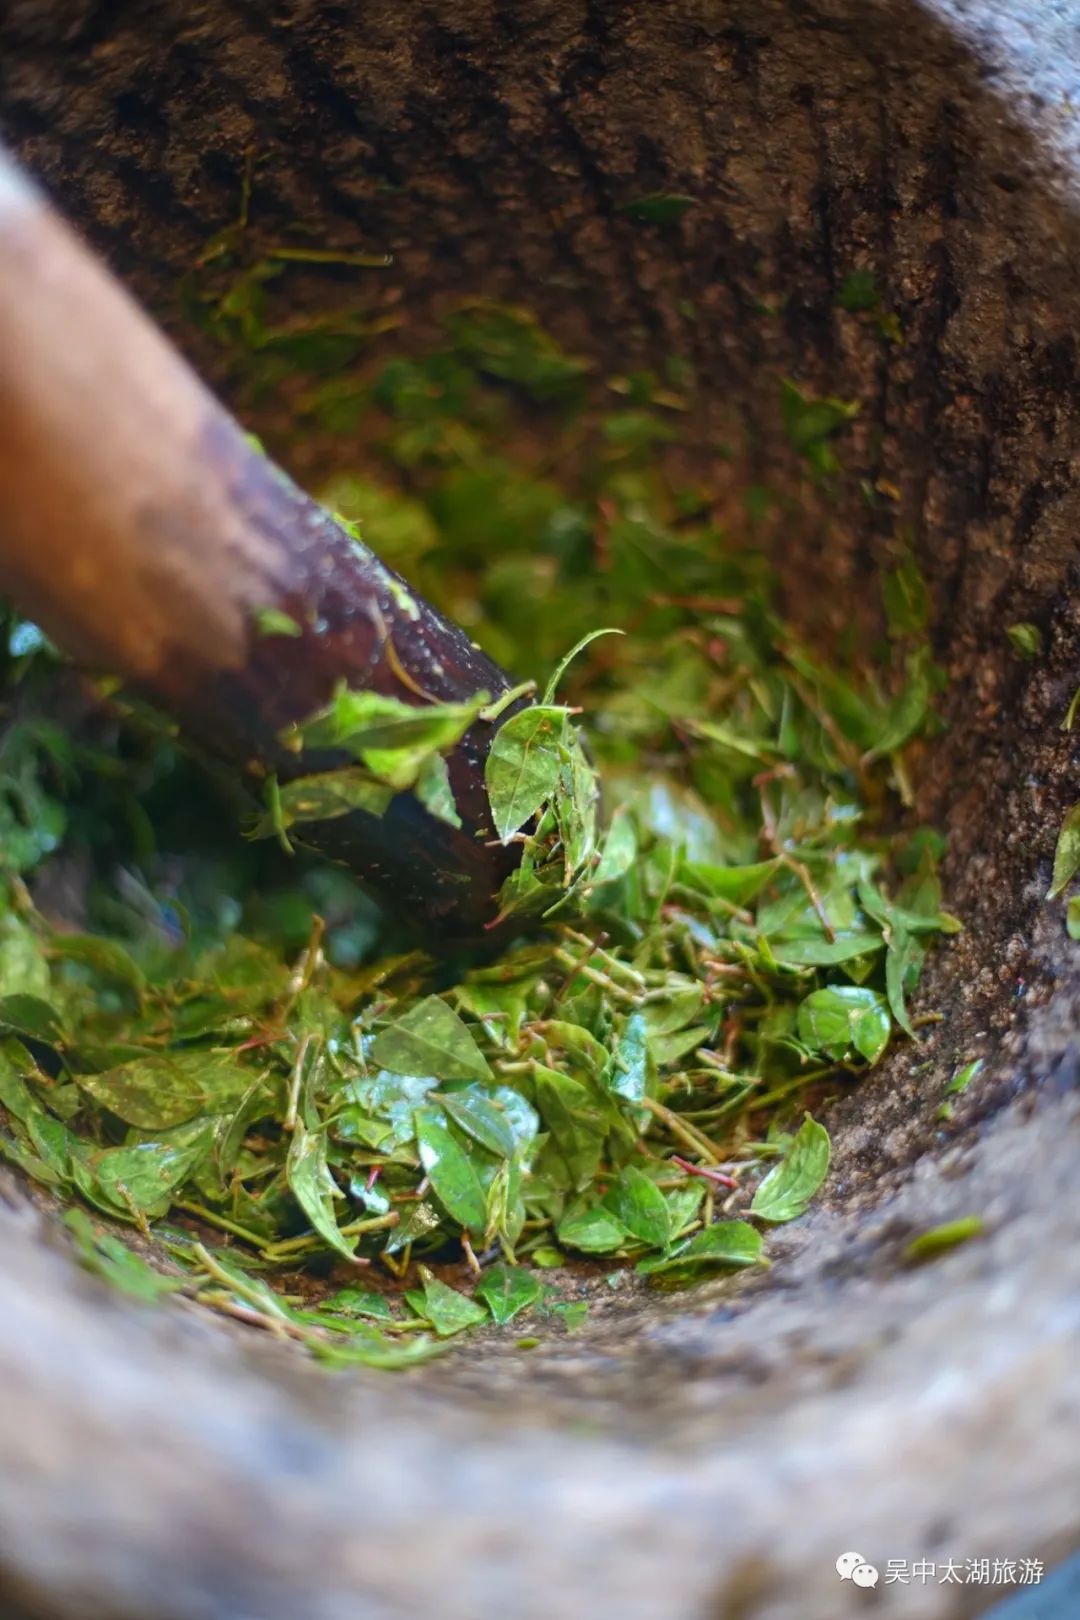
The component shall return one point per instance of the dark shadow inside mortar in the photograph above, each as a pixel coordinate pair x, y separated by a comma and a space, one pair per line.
494, 153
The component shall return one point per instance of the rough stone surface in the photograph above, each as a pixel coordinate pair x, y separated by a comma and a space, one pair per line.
706, 1457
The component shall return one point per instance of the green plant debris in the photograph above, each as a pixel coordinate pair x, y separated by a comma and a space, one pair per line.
359, 1147
811, 422
1066, 854
1069, 718
858, 292
859, 295
940, 1239
961, 1080
1072, 917
658, 208
1026, 639
270, 621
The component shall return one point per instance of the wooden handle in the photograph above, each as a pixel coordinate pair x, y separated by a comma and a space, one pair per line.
141, 529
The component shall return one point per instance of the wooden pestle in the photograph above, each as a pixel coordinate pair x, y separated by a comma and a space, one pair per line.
146, 534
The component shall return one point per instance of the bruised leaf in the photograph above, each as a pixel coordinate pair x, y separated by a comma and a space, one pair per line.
430, 1039
451, 1172
523, 766
507, 1291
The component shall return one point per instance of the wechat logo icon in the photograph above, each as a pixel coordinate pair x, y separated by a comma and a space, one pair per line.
852, 1566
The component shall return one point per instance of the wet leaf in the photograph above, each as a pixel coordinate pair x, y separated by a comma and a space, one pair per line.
451, 1172
448, 1311
844, 1018
507, 1291
434, 791
363, 1302
592, 1228
139, 1180
430, 1039
575, 1122
314, 1188
627, 1074
903, 964
482, 1117
726, 1244
786, 1191
523, 766
640, 1207
162, 1089
324, 797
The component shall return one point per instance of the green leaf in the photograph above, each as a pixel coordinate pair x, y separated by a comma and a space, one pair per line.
1026, 639
314, 1188
964, 1076
448, 1311
523, 766
24, 970
323, 797
638, 1204
162, 1089
506, 1212
1072, 917
271, 621
481, 1116
564, 663
841, 1017
960, 1081
393, 740
812, 950
738, 885
509, 343
363, 1302
810, 422
141, 1179
727, 1243
450, 1170
547, 1257
577, 1126
940, 1239
858, 292
430, 1039
903, 964
390, 1097
573, 1312
110, 1258
907, 598
30, 1015
434, 791
1067, 853
658, 207
619, 849
106, 959
789, 1186
591, 1228
507, 1291
627, 1074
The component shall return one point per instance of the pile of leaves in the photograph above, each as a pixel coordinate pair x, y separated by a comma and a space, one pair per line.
233, 1053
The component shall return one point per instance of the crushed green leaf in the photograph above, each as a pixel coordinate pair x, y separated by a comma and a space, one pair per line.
237, 1044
